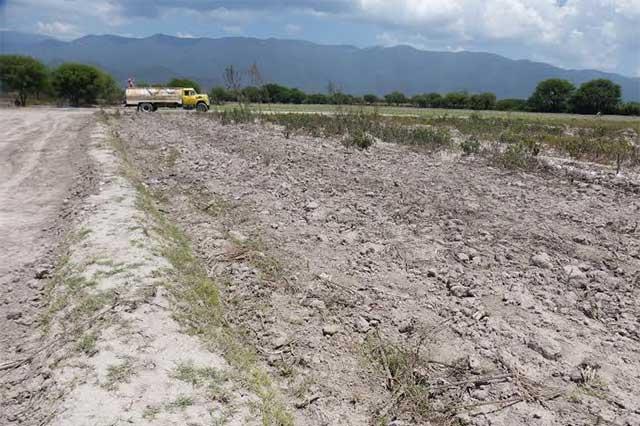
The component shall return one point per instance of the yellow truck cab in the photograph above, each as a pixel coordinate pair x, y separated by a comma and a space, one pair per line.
191, 99
149, 99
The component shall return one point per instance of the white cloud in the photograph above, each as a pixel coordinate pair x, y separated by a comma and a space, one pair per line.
57, 29
184, 35
575, 33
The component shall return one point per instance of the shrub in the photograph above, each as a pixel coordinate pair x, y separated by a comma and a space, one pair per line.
522, 155
359, 139
470, 146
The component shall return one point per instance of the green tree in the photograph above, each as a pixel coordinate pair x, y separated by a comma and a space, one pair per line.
184, 82
80, 84
433, 100
482, 101
370, 99
296, 96
455, 100
316, 99
254, 94
276, 93
395, 98
597, 96
419, 101
512, 105
110, 93
219, 95
629, 108
552, 95
24, 75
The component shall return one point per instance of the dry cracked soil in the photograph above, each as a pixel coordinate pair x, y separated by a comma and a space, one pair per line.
388, 286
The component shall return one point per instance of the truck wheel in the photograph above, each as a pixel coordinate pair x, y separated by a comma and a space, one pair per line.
202, 107
146, 107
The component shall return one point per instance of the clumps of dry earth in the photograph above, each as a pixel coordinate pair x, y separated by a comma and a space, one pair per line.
392, 286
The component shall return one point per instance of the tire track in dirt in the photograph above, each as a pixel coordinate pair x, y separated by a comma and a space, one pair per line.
44, 172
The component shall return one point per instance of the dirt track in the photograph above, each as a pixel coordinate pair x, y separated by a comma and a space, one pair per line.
43, 171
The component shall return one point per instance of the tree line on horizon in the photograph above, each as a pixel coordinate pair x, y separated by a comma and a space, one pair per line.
81, 84
551, 96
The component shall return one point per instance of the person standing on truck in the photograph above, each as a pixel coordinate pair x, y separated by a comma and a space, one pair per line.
130, 82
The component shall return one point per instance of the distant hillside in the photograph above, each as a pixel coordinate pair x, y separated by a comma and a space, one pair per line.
306, 65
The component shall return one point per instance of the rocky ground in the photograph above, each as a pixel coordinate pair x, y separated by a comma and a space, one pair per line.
392, 286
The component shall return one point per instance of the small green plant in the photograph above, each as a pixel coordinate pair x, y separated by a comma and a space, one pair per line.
87, 344
119, 373
198, 376
181, 402
359, 139
470, 146
151, 411
521, 155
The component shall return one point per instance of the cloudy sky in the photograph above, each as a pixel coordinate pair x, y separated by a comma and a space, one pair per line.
600, 34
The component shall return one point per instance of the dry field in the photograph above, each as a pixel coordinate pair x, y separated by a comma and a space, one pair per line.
217, 272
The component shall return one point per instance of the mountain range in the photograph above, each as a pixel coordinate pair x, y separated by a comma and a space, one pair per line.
305, 65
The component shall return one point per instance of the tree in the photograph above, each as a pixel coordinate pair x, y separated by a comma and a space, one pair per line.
316, 99
110, 93
433, 100
512, 105
184, 82
370, 99
22, 74
629, 108
276, 93
219, 95
552, 95
254, 94
395, 98
456, 100
79, 83
420, 101
296, 96
597, 96
482, 101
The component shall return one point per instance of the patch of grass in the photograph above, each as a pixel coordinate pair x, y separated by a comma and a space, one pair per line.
519, 156
181, 402
151, 412
198, 376
83, 233
118, 374
410, 393
87, 344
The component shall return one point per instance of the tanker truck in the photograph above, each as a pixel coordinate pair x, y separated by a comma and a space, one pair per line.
149, 99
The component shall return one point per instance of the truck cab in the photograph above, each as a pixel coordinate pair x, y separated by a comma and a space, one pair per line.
191, 99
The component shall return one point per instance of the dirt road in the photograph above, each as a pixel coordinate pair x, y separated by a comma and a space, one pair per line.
43, 169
